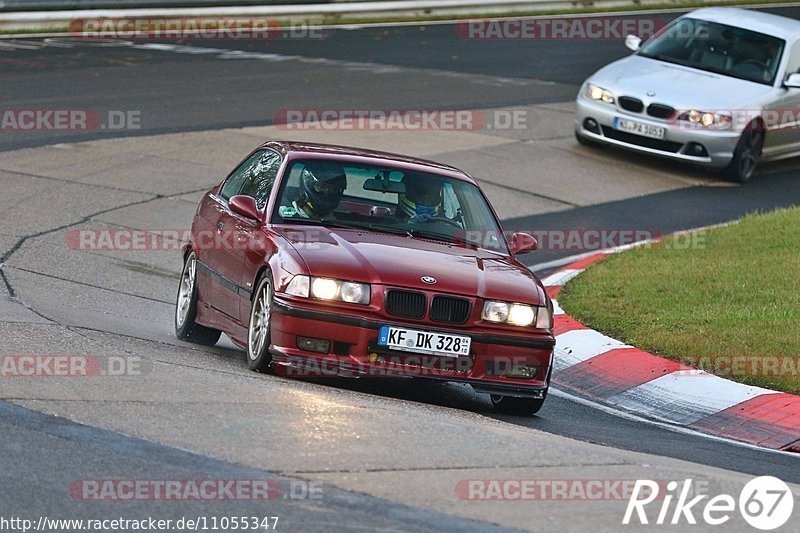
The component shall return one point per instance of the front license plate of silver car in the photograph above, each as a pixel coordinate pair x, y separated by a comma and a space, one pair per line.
639, 128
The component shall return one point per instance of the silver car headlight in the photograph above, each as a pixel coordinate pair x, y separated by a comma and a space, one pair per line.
329, 289
595, 92
516, 314
706, 118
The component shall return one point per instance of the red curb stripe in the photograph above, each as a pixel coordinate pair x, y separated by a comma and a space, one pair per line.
616, 371
771, 420
768, 420
564, 323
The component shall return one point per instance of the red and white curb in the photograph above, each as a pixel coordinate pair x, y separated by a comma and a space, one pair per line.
609, 371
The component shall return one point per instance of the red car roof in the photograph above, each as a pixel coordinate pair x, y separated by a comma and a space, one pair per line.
294, 149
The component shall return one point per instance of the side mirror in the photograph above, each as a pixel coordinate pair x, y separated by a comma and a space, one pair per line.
633, 42
521, 243
245, 206
793, 81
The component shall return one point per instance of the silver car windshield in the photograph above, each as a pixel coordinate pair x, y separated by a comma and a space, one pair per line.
718, 48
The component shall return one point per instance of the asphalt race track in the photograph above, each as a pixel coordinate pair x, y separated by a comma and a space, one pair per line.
388, 454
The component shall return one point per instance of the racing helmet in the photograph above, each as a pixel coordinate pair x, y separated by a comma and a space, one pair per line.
322, 185
422, 198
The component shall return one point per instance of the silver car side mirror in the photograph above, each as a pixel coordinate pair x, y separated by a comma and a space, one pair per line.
793, 81
633, 42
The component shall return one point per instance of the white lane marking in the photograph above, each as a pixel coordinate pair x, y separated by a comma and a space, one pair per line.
578, 345
663, 425
356, 66
684, 398
561, 277
19, 45
57, 43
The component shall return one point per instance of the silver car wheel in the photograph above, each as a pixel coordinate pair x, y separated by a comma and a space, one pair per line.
259, 321
751, 153
186, 291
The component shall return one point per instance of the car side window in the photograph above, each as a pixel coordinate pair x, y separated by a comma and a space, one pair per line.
255, 177
793, 66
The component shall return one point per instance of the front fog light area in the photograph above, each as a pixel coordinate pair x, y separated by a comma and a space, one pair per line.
510, 369
313, 345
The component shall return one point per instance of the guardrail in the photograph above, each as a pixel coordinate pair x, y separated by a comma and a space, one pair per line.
41, 5
333, 9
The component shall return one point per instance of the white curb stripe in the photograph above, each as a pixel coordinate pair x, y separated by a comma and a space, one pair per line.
557, 309
560, 277
576, 346
684, 398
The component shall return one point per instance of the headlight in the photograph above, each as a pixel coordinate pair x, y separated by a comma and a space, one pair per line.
706, 118
329, 289
324, 289
598, 93
516, 314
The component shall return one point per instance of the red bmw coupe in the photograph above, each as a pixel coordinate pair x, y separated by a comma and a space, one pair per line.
326, 260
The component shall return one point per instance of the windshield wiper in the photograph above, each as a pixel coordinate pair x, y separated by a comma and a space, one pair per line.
436, 236
390, 229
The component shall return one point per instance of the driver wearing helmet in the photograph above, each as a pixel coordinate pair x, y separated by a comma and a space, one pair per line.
422, 199
322, 185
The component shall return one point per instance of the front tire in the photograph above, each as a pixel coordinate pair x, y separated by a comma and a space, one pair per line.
186, 329
746, 156
258, 331
512, 405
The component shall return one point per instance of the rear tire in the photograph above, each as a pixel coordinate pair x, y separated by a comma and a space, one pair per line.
186, 329
258, 330
746, 156
512, 405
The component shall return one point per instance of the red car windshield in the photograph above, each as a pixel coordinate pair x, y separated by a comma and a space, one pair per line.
393, 200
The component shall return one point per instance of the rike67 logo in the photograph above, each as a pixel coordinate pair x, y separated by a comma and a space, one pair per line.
765, 503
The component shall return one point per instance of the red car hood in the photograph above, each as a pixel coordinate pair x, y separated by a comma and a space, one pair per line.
402, 261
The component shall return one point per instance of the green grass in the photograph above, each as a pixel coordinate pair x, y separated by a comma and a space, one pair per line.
727, 304
587, 8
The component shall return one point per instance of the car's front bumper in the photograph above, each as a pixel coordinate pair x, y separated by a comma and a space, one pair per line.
354, 352
679, 143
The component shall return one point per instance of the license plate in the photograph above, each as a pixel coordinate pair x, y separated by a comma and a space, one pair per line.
411, 340
639, 128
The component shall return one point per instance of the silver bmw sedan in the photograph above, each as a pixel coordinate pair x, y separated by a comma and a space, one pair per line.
718, 87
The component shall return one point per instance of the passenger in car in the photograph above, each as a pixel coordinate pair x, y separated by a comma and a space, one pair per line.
422, 199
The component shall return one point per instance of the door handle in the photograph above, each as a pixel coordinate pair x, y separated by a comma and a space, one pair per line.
220, 226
